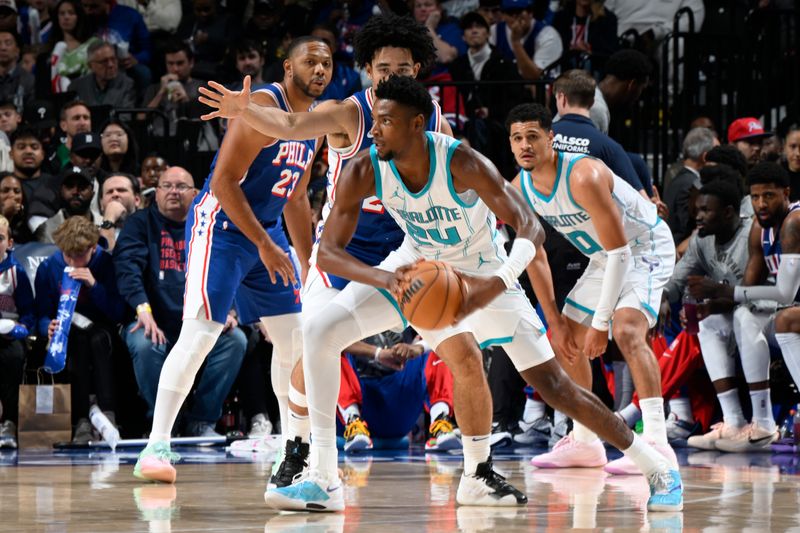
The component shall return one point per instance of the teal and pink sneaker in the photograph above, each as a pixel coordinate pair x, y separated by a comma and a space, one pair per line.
666, 491
154, 463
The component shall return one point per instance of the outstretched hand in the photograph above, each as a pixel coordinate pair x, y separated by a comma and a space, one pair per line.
227, 103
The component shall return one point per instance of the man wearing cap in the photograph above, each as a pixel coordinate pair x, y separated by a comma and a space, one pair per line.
16, 83
747, 135
119, 198
530, 42
76, 197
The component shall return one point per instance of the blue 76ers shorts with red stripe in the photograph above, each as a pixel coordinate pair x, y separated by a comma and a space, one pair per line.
223, 268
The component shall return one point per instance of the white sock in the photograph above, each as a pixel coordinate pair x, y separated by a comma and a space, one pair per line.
654, 425
630, 414
298, 426
731, 408
581, 433
350, 410
682, 408
559, 418
534, 410
762, 408
790, 347
645, 457
438, 409
476, 451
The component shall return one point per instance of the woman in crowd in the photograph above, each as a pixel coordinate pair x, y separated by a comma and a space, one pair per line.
13, 207
69, 41
120, 151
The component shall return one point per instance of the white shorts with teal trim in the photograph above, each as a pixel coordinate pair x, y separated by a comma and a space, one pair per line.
509, 320
641, 289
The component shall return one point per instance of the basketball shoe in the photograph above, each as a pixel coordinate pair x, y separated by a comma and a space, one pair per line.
666, 491
289, 464
155, 503
443, 435
536, 433
751, 438
310, 491
625, 467
356, 435
569, 452
720, 430
155, 463
488, 488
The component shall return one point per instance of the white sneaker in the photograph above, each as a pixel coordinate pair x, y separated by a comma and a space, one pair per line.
678, 429
751, 438
8, 434
720, 430
488, 488
536, 433
260, 426
310, 491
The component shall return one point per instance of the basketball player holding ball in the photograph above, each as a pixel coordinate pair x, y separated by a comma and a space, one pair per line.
444, 196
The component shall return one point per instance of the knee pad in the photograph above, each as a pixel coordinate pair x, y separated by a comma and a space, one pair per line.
197, 338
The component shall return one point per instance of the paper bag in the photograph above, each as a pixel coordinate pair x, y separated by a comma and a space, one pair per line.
45, 416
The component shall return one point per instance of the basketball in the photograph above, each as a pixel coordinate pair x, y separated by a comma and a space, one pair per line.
433, 296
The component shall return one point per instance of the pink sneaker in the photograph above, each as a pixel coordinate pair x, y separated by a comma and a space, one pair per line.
568, 453
625, 467
154, 463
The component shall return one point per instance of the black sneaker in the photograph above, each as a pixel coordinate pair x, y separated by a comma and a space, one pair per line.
488, 488
500, 436
295, 460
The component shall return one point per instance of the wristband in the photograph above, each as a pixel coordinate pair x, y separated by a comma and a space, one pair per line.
522, 252
143, 308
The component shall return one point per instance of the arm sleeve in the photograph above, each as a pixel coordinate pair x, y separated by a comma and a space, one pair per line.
130, 261
787, 283
618, 265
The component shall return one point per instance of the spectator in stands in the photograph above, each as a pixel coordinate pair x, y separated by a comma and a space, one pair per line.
490, 10
654, 21
176, 94
120, 151
10, 118
47, 199
159, 15
150, 259
345, 81
40, 116
791, 158
725, 154
265, 28
16, 84
444, 30
13, 207
747, 135
627, 74
724, 172
35, 22
249, 60
717, 253
106, 85
75, 118
119, 199
9, 16
152, 167
69, 45
90, 352
124, 28
28, 155
208, 32
682, 190
587, 28
484, 62
530, 42
76, 197
16, 303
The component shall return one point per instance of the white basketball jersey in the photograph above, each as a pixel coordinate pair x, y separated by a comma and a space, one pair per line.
440, 223
560, 210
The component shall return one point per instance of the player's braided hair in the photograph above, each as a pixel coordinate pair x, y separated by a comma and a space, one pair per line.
407, 91
393, 30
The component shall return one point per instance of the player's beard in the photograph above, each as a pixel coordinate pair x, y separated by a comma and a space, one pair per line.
305, 87
388, 156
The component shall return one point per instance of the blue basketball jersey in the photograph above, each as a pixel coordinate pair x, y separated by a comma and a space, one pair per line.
771, 245
269, 182
376, 234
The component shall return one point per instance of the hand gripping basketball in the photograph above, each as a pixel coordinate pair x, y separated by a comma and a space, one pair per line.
431, 295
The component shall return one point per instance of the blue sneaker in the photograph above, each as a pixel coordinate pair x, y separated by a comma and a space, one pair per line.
309, 492
666, 491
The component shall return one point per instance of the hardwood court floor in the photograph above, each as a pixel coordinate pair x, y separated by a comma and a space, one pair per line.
386, 492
